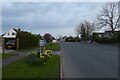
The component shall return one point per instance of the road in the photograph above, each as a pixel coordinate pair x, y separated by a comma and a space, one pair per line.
86, 60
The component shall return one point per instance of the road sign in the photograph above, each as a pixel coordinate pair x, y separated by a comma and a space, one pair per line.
42, 42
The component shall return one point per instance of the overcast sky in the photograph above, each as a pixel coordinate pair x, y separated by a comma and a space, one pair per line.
57, 18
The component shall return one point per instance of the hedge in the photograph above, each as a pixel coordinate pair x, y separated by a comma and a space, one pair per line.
112, 39
27, 40
72, 39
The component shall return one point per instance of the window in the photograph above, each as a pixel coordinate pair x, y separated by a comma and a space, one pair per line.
13, 33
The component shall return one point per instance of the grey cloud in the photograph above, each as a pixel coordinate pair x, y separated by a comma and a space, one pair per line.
41, 16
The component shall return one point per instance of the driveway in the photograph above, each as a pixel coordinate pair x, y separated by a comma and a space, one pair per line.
19, 55
86, 60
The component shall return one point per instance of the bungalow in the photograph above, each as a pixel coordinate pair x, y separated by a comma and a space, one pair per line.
106, 33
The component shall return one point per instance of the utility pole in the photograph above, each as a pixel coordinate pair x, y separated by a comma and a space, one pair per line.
17, 44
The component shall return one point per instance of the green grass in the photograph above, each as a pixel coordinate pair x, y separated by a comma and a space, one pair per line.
53, 46
6, 55
20, 69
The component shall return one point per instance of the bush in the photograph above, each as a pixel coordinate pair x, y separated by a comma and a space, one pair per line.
112, 39
27, 40
37, 58
96, 38
72, 39
118, 37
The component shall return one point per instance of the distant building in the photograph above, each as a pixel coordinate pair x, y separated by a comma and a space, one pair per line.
100, 34
106, 33
54, 40
64, 38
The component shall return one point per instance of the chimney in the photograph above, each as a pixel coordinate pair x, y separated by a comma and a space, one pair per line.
18, 29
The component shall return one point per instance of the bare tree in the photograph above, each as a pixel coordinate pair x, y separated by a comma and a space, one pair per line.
85, 29
109, 17
79, 28
89, 27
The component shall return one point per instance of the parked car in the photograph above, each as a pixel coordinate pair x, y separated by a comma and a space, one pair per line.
11, 44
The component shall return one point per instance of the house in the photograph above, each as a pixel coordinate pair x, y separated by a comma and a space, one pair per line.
54, 41
64, 38
12, 33
107, 33
100, 34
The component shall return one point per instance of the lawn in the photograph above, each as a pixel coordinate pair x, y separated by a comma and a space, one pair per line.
6, 55
19, 69
53, 46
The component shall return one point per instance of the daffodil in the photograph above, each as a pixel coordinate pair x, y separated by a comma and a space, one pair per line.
45, 53
40, 56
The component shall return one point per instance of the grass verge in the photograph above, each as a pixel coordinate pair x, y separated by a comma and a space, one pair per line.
20, 69
53, 46
27, 49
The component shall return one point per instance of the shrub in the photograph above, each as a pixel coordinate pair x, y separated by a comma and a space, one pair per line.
118, 37
111, 39
37, 58
96, 38
72, 39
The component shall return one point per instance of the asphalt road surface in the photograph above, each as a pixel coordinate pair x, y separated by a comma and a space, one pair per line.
86, 60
